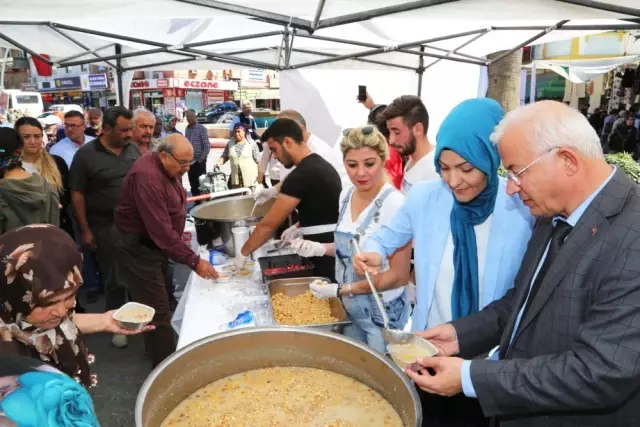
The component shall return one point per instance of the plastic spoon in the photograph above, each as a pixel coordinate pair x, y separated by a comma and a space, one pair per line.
392, 336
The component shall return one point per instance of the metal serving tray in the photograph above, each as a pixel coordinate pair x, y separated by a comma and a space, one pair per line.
299, 285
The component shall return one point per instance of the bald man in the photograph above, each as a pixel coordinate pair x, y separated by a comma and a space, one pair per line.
149, 222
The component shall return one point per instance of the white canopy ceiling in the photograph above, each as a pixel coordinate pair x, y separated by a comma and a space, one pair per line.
169, 28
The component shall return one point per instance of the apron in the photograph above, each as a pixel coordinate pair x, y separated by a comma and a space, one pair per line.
243, 164
362, 309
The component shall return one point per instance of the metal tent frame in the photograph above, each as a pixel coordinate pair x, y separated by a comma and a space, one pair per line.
297, 27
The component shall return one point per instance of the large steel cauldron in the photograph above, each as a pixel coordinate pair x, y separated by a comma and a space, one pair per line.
216, 218
221, 355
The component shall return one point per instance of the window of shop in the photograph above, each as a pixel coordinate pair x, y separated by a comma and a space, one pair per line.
194, 100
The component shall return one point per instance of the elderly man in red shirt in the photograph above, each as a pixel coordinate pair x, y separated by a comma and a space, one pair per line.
149, 221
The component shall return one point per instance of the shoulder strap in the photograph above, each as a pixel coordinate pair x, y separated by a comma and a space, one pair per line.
374, 212
345, 203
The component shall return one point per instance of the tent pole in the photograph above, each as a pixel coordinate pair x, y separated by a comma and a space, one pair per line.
77, 43
316, 19
464, 55
368, 61
420, 72
401, 48
119, 76
118, 56
26, 49
181, 61
455, 51
88, 51
621, 27
530, 40
287, 59
273, 18
233, 39
383, 11
604, 6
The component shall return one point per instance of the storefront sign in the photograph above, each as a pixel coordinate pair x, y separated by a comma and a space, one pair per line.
67, 83
29, 87
204, 84
144, 84
162, 83
98, 81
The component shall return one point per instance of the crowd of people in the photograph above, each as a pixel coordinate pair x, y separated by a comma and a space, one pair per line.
526, 284
618, 129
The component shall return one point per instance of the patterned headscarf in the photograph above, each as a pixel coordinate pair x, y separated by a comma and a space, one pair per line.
41, 262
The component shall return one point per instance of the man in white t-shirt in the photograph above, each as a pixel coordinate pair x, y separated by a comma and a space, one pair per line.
316, 145
408, 121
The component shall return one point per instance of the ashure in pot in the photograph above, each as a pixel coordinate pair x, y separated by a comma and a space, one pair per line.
225, 354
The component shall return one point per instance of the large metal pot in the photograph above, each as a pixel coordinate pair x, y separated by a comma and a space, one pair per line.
221, 355
216, 218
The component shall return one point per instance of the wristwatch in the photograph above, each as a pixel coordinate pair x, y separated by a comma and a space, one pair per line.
338, 291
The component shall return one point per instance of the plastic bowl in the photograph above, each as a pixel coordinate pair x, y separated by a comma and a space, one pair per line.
134, 325
406, 355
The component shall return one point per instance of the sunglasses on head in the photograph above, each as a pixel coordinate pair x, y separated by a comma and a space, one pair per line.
366, 131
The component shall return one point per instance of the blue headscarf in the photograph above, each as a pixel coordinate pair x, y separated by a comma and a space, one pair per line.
466, 130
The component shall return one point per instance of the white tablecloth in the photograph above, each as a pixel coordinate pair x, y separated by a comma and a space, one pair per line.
207, 306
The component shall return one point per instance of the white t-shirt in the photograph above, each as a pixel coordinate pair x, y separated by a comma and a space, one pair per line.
331, 155
271, 166
29, 167
423, 170
440, 311
389, 208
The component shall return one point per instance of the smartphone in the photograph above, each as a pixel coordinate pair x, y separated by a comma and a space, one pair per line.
362, 93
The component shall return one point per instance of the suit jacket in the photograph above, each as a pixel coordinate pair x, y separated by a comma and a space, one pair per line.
425, 217
575, 359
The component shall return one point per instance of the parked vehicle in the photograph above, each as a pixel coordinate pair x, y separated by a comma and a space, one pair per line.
212, 112
27, 103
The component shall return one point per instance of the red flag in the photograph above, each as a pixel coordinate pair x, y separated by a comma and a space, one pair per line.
42, 67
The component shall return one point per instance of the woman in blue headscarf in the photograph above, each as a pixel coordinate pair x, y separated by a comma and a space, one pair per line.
469, 237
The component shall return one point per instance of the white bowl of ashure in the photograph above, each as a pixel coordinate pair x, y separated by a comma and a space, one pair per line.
407, 354
134, 316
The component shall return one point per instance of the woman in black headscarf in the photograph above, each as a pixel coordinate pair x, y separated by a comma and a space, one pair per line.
37, 300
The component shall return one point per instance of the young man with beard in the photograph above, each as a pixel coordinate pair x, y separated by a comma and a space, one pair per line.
313, 188
96, 176
408, 121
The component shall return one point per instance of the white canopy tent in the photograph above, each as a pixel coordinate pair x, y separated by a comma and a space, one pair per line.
435, 48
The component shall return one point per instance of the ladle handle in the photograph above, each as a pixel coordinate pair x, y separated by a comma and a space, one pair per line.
374, 291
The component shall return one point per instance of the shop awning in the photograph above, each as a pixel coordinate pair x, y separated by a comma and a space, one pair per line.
583, 70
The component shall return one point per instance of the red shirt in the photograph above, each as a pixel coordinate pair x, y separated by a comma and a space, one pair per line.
153, 206
393, 165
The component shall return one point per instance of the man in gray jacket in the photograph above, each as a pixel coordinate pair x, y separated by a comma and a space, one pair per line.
566, 339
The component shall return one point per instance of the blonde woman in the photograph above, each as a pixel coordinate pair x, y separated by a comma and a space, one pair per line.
364, 208
53, 169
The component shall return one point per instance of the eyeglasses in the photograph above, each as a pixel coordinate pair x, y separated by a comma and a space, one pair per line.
182, 163
366, 130
72, 126
515, 177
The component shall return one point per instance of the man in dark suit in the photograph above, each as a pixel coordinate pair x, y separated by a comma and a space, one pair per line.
566, 339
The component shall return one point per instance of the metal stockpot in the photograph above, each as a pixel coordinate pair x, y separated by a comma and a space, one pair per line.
229, 209
229, 353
